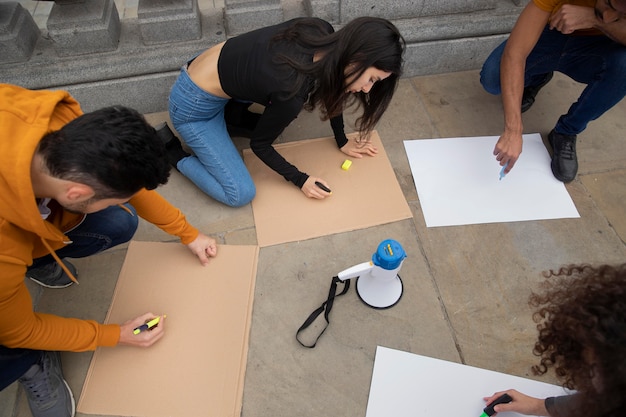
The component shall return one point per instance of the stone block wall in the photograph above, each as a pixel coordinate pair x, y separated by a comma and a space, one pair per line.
104, 60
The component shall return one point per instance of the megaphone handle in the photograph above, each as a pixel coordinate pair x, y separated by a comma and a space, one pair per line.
325, 307
355, 271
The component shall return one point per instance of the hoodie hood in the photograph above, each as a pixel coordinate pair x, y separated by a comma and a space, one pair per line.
25, 117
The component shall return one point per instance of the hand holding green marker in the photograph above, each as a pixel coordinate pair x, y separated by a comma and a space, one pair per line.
148, 325
489, 411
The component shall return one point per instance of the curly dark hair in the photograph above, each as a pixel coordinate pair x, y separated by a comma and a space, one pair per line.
581, 318
113, 150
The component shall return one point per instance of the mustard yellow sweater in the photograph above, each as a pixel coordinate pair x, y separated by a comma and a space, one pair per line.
25, 117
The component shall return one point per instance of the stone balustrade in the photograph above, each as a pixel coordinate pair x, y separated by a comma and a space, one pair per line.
102, 59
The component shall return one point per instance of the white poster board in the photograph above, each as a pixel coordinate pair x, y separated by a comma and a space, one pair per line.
458, 182
409, 385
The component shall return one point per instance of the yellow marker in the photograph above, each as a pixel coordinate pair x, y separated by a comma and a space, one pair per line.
148, 325
389, 249
346, 164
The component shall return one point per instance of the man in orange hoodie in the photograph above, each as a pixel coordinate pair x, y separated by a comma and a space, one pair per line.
71, 185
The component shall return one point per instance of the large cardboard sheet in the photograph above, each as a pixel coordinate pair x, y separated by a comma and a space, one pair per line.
365, 195
409, 385
197, 368
458, 182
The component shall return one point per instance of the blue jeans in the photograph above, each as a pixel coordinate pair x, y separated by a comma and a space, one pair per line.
596, 61
98, 231
217, 168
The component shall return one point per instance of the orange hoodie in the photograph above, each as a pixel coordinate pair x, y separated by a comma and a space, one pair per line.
25, 117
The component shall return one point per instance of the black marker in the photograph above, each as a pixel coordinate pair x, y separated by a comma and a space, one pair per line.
489, 411
323, 187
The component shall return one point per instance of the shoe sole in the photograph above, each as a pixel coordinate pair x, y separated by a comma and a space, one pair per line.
50, 286
71, 397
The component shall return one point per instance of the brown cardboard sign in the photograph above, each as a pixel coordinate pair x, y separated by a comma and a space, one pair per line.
364, 195
198, 367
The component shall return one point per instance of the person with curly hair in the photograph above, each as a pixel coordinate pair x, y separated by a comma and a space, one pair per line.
581, 319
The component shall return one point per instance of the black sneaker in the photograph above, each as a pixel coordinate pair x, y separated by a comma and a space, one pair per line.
530, 92
47, 391
52, 275
173, 148
564, 162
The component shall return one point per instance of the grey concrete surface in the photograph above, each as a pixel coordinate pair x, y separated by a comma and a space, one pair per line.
442, 36
465, 287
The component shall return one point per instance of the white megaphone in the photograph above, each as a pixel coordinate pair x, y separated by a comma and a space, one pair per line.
378, 284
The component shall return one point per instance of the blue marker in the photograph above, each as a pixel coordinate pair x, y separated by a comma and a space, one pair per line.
502, 174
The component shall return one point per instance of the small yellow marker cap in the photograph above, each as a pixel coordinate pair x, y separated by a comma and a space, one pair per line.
346, 164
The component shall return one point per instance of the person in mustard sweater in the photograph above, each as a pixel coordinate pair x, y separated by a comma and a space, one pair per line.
71, 185
583, 39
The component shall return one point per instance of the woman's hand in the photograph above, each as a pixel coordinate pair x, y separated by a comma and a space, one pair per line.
521, 403
357, 149
312, 190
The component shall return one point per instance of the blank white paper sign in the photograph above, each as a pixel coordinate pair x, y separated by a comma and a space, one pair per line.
458, 182
409, 385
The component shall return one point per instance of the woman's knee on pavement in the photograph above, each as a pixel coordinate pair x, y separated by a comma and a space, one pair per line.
242, 195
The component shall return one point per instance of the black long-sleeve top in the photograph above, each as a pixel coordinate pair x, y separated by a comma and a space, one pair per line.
248, 71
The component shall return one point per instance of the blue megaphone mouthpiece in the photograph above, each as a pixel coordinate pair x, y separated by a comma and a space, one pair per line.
389, 255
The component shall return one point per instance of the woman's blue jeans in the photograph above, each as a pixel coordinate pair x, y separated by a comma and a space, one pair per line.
216, 168
98, 231
596, 61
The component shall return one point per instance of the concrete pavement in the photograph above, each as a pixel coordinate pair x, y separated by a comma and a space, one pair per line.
465, 287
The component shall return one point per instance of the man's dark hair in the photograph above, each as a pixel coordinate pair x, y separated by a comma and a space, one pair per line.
113, 150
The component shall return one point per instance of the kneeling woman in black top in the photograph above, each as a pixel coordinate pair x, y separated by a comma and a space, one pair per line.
297, 64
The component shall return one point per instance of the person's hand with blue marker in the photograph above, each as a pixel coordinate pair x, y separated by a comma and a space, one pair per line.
521, 403
507, 150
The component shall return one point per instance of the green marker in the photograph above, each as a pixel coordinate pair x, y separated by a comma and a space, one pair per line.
489, 411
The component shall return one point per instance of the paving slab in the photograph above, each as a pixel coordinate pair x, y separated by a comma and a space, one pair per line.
334, 377
607, 190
